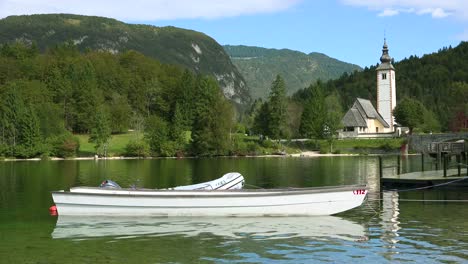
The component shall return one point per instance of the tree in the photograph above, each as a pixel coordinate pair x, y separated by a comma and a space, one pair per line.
213, 120
177, 133
313, 117
277, 109
29, 134
157, 135
333, 116
120, 112
410, 113
260, 123
101, 131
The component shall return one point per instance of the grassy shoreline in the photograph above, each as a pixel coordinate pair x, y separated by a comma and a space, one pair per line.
265, 148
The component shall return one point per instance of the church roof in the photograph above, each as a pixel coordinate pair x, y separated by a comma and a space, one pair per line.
361, 110
353, 118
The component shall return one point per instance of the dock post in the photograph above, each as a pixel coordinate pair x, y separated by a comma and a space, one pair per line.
380, 173
444, 159
398, 164
422, 161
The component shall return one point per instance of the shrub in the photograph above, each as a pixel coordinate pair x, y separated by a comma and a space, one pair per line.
238, 147
269, 144
137, 148
63, 146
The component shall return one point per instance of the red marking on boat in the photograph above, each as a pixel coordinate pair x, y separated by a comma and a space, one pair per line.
53, 210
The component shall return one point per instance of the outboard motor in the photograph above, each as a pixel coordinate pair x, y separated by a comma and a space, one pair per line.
109, 184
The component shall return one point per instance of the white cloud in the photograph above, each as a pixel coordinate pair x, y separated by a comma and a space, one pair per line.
435, 8
389, 12
146, 10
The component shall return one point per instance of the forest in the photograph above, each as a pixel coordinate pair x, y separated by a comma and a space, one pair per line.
46, 98
439, 81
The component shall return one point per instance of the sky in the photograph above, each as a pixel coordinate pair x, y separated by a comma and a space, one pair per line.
348, 30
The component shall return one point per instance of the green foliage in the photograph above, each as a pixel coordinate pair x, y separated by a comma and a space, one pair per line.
192, 50
213, 120
313, 117
101, 93
437, 80
156, 133
64, 146
410, 113
277, 109
137, 148
259, 66
101, 132
120, 113
271, 118
333, 117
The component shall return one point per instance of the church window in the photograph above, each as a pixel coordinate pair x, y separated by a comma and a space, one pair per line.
384, 76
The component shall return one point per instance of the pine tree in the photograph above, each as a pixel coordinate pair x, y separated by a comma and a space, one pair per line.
313, 117
277, 109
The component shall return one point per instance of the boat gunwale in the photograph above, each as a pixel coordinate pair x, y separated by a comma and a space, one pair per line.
155, 193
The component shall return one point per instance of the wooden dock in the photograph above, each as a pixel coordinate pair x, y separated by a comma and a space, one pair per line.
427, 178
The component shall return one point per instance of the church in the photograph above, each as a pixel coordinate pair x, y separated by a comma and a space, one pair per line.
363, 120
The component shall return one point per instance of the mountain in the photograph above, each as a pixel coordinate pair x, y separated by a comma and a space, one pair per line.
190, 49
259, 66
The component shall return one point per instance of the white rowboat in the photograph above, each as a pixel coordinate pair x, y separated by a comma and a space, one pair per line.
90, 201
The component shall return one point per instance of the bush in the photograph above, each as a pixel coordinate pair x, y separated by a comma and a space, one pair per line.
238, 147
137, 148
3, 150
252, 148
269, 144
240, 128
168, 149
63, 146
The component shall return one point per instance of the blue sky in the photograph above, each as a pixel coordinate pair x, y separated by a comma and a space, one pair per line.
349, 30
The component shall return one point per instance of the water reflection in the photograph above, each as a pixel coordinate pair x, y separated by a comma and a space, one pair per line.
259, 228
390, 221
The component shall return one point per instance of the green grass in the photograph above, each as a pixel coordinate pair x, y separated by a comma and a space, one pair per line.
116, 145
362, 146
355, 146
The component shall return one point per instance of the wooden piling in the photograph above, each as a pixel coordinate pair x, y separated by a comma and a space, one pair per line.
380, 173
398, 164
445, 161
422, 161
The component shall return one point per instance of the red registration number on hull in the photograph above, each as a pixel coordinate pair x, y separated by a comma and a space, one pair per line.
359, 192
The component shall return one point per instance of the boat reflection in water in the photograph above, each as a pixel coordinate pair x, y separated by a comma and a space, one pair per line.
74, 227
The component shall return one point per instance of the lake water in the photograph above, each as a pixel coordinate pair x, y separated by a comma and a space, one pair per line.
425, 226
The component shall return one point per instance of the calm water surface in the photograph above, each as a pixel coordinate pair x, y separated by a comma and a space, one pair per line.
412, 226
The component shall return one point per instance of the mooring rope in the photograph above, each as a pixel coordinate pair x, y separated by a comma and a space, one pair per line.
426, 187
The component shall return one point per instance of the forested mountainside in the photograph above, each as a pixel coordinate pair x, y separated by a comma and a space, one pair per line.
190, 49
259, 66
438, 80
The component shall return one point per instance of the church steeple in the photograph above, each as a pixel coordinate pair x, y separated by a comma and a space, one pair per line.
385, 58
386, 87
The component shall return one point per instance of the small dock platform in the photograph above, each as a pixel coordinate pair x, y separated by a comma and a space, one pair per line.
427, 178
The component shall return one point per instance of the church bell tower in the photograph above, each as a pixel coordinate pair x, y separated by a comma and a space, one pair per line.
386, 88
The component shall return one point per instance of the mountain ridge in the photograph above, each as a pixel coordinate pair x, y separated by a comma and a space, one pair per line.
188, 48
259, 66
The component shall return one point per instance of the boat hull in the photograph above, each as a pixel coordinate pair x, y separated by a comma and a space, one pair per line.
275, 202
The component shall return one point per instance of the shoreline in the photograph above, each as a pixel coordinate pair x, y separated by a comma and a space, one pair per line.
304, 154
